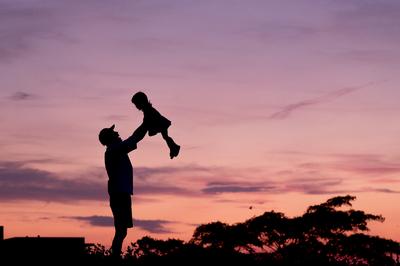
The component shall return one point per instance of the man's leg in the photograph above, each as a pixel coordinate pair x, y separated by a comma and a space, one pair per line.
120, 234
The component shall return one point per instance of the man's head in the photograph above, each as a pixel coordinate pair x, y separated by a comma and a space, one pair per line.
108, 135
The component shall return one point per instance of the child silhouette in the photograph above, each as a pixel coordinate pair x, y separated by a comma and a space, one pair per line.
155, 122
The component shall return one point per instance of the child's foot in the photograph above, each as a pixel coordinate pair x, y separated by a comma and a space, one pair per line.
174, 151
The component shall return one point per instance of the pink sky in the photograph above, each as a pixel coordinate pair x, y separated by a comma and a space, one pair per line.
276, 104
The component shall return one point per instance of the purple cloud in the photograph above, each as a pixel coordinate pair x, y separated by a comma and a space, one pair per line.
21, 96
229, 187
152, 226
20, 182
382, 190
302, 185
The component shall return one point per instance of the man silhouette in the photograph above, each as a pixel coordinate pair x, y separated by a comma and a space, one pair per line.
120, 180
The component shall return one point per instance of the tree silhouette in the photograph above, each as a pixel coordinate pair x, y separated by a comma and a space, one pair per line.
330, 233
224, 236
323, 234
148, 246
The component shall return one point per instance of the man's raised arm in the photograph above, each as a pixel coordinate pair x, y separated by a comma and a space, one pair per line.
131, 143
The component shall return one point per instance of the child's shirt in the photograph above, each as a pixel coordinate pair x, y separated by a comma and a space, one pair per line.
154, 121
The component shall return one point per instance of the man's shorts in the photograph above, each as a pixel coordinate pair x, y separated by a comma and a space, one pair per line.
121, 207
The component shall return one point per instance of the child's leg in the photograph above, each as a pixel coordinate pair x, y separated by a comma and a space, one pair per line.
173, 147
168, 139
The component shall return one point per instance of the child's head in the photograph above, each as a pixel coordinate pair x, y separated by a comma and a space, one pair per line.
140, 100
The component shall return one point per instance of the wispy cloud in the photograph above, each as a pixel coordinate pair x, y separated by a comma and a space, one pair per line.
368, 19
315, 185
114, 118
152, 226
382, 190
287, 110
146, 172
362, 165
22, 25
22, 96
234, 187
328, 173
372, 56
367, 166
162, 189
269, 32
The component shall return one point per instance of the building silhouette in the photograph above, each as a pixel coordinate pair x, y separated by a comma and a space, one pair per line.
43, 250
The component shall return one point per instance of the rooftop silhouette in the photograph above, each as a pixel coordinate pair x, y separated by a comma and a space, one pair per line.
47, 250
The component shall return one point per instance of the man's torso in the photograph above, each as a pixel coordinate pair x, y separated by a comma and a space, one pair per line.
119, 170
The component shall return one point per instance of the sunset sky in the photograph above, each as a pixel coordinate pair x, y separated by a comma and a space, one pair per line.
276, 104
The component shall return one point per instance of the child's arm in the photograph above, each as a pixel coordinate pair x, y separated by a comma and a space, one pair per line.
130, 143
